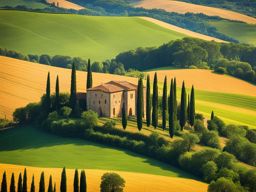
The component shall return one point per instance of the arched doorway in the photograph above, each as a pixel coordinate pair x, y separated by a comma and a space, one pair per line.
130, 112
114, 111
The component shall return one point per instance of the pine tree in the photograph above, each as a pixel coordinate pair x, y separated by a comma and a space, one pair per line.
63, 182
183, 106
83, 184
48, 95
148, 102
20, 183
76, 181
50, 187
4, 183
41, 183
124, 117
32, 187
212, 115
12, 185
139, 104
57, 95
73, 99
171, 111
164, 104
89, 75
155, 103
175, 100
192, 110
24, 185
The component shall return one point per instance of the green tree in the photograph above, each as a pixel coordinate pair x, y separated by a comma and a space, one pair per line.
223, 184
192, 110
112, 182
171, 110
89, 76
57, 95
73, 99
50, 187
164, 104
90, 119
188, 108
155, 103
148, 102
54, 189
24, 185
83, 184
20, 183
209, 170
175, 100
76, 181
183, 106
41, 183
47, 104
212, 115
12, 185
124, 117
32, 187
4, 183
63, 182
139, 104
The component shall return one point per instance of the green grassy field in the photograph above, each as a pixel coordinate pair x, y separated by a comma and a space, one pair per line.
98, 38
243, 32
32, 147
35, 4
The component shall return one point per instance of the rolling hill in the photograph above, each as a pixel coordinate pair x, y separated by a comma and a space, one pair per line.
65, 4
232, 99
183, 7
35, 4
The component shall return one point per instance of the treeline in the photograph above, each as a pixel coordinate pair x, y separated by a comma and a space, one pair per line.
234, 59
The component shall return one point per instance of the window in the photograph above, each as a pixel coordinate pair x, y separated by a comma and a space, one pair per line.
99, 101
95, 94
114, 111
105, 101
131, 96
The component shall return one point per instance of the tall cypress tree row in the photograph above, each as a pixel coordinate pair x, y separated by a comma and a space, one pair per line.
192, 110
73, 99
188, 109
47, 104
20, 183
83, 183
76, 181
148, 102
63, 182
4, 183
57, 95
89, 75
171, 110
41, 183
155, 103
124, 117
24, 185
50, 187
32, 187
12, 185
212, 115
183, 106
164, 104
175, 99
139, 104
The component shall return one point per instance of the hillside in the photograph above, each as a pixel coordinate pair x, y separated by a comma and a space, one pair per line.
65, 4
23, 82
183, 7
35, 4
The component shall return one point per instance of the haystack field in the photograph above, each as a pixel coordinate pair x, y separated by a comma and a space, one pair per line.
135, 182
181, 30
66, 4
183, 7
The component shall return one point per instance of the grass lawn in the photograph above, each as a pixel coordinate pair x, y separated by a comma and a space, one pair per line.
32, 147
35, 4
243, 32
98, 38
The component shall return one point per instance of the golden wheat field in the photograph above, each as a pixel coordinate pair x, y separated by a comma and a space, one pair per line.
135, 182
66, 4
183, 7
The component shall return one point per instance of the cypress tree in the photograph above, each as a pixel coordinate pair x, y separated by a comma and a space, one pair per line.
164, 104
48, 94
12, 185
192, 110
148, 102
83, 184
139, 104
89, 75
175, 99
24, 185
54, 189
32, 187
41, 183
57, 95
63, 182
188, 109
171, 111
124, 117
50, 188
20, 183
76, 181
212, 115
73, 99
183, 106
155, 103
4, 183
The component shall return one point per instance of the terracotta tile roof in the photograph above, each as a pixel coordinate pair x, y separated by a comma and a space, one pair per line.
114, 86
124, 84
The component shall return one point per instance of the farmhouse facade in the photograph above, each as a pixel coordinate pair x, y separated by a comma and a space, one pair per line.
109, 98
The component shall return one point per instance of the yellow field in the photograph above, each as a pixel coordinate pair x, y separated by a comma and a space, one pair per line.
66, 4
183, 7
135, 182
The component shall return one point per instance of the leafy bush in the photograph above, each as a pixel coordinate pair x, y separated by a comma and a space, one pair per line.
251, 135
248, 179
225, 159
216, 124
228, 174
27, 114
110, 124
190, 140
209, 171
199, 127
5, 123
211, 139
90, 119
223, 184
65, 112
233, 130
220, 70
112, 182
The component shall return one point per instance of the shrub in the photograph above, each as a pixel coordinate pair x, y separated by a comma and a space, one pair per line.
190, 140
65, 112
251, 135
220, 70
199, 127
90, 119
225, 160
216, 125
112, 182
228, 174
223, 184
5, 123
27, 114
199, 116
209, 171
110, 124
211, 139
233, 130
248, 179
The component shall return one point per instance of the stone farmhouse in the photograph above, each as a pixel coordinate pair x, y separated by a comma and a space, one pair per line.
108, 99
